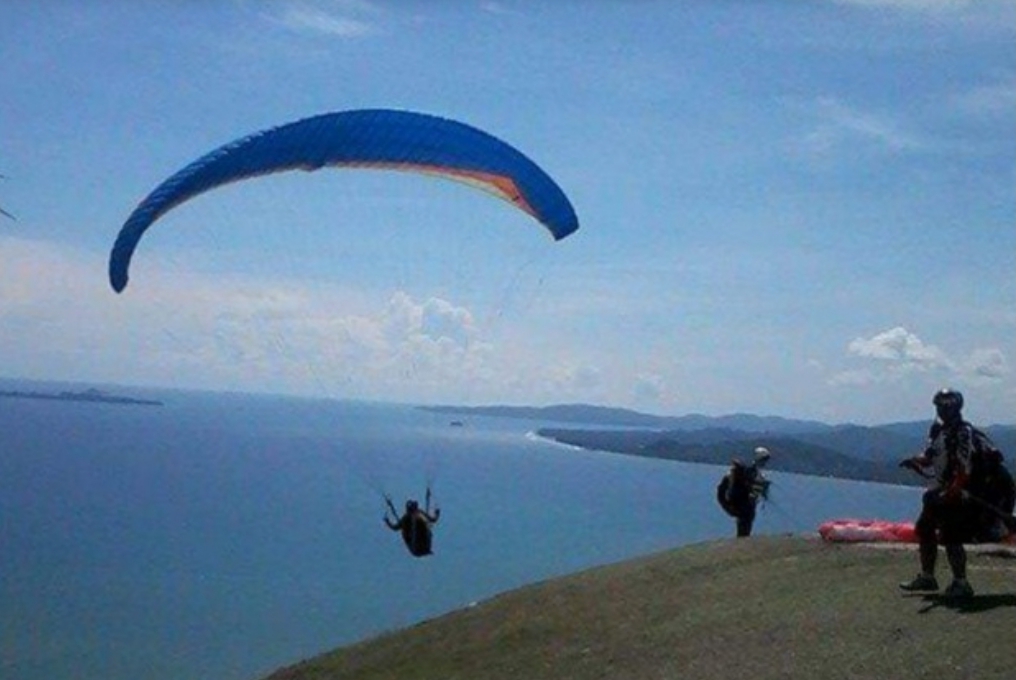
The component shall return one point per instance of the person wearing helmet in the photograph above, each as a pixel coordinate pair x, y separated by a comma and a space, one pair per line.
415, 525
739, 491
947, 515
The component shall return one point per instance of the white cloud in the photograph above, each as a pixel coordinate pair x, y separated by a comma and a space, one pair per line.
897, 354
300, 343
854, 377
340, 18
434, 341
989, 100
990, 364
434, 320
900, 347
60, 320
648, 389
979, 16
891, 356
50, 309
577, 380
911, 5
499, 8
841, 126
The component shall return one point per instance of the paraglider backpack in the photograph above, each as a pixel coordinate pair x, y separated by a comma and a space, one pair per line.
983, 468
732, 494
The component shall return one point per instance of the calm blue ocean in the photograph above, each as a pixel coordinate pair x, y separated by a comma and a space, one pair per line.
221, 536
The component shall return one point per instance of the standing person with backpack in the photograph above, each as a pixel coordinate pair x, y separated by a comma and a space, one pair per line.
947, 511
739, 491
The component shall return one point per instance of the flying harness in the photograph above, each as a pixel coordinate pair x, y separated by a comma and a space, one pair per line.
416, 531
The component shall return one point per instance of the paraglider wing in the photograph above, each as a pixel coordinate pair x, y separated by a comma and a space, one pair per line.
2, 211
374, 138
867, 531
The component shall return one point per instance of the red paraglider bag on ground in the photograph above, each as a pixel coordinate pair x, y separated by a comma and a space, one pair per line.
867, 531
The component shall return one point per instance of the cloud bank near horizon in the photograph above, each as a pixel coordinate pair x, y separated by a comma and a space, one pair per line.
189, 330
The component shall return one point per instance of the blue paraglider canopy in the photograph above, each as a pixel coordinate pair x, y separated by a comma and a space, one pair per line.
369, 138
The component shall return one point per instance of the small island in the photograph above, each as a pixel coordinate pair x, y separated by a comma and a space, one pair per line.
90, 395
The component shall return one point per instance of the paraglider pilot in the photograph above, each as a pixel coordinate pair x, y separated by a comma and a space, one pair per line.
948, 510
415, 525
739, 491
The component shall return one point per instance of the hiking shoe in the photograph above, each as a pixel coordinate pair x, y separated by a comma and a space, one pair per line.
959, 589
921, 582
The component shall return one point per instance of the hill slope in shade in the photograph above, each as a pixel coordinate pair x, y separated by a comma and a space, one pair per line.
788, 608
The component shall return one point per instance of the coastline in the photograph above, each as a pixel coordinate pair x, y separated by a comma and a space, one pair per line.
90, 395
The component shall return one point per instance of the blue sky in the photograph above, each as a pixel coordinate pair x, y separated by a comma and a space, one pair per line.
802, 208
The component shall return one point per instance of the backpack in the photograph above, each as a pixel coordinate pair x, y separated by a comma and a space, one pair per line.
990, 483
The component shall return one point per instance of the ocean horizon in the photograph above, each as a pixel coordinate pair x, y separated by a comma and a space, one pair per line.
222, 536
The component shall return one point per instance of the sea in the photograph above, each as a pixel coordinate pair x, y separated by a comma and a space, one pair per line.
223, 536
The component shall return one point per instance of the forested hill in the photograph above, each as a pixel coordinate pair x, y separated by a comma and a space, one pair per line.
588, 414
720, 446
800, 446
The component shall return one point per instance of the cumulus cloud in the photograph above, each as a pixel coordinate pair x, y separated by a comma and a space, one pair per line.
183, 329
434, 320
434, 340
900, 347
408, 346
897, 353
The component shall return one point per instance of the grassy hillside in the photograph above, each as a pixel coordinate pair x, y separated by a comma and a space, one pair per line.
791, 608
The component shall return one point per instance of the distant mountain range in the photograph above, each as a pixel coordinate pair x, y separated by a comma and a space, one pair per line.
870, 453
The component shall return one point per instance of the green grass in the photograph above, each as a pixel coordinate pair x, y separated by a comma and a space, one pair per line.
766, 607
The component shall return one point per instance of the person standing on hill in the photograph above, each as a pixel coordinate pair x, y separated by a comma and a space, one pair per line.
948, 513
739, 491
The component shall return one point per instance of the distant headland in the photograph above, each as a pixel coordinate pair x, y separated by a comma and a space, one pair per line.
89, 395
807, 447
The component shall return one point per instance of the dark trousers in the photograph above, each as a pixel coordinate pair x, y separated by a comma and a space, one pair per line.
945, 522
745, 520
